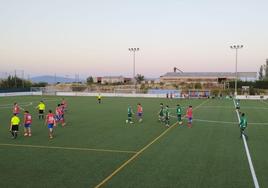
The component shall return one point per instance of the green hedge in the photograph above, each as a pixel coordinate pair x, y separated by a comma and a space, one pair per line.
259, 84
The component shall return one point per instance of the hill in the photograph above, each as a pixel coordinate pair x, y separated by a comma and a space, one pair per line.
52, 79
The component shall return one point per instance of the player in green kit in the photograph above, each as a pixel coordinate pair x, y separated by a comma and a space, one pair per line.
243, 125
129, 115
161, 113
167, 116
179, 112
237, 104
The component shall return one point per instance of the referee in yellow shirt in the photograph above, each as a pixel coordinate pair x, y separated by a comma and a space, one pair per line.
14, 126
99, 98
41, 109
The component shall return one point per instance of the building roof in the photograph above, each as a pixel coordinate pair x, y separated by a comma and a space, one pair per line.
112, 77
210, 74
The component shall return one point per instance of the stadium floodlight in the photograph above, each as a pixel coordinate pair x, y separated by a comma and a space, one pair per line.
236, 48
134, 50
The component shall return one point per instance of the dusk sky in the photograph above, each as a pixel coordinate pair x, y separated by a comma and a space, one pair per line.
92, 37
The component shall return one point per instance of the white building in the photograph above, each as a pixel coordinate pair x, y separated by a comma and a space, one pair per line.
112, 79
206, 77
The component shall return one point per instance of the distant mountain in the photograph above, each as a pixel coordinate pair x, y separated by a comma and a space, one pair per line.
52, 79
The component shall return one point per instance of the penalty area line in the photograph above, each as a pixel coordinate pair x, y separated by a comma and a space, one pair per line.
25, 104
7, 106
68, 148
223, 122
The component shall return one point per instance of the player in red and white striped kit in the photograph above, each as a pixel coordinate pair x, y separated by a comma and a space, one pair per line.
50, 122
27, 123
60, 114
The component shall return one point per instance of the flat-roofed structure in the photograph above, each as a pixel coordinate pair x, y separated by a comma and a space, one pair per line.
112, 79
206, 77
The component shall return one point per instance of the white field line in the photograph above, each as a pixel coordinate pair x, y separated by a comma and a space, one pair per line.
44, 99
212, 121
229, 107
25, 104
254, 177
68, 148
244, 107
264, 102
222, 122
228, 122
11, 106
141, 151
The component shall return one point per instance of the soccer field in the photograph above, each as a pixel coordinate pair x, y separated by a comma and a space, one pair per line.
98, 148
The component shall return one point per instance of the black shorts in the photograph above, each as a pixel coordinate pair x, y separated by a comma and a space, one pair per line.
15, 128
41, 111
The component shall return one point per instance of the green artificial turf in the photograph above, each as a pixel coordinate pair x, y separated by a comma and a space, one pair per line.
87, 150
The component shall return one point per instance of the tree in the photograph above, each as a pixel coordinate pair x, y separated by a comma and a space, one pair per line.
198, 85
261, 73
40, 84
175, 86
89, 80
14, 82
265, 67
139, 78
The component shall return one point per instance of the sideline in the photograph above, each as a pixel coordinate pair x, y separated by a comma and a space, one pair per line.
254, 177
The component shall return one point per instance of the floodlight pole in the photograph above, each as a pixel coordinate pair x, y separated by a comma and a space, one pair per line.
22, 78
236, 47
15, 78
134, 50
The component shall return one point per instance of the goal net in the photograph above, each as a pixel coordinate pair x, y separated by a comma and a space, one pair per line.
44, 90
38, 89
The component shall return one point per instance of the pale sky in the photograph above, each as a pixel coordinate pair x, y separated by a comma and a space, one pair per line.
92, 37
